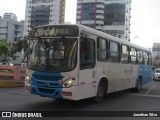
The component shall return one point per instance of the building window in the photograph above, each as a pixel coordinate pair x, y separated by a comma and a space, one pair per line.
114, 14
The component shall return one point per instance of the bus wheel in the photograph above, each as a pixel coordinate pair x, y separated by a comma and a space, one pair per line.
100, 93
139, 85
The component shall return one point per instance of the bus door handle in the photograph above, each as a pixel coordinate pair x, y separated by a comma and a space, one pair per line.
93, 81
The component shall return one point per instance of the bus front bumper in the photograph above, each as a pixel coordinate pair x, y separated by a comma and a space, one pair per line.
59, 93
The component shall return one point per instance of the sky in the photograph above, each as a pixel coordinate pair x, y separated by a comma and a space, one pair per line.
145, 18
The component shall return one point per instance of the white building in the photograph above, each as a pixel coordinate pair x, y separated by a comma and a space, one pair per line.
43, 12
11, 29
10, 16
156, 54
110, 16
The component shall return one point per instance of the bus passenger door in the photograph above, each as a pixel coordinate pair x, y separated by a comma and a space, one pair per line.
87, 67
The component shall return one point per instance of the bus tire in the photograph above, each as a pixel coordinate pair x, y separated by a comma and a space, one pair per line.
138, 88
100, 93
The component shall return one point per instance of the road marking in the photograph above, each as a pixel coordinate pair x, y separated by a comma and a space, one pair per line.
143, 95
146, 95
150, 89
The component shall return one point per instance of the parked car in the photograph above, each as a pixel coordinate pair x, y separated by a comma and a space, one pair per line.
6, 63
23, 64
156, 75
10, 64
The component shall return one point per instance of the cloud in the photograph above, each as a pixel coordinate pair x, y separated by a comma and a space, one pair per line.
70, 14
145, 22
15, 6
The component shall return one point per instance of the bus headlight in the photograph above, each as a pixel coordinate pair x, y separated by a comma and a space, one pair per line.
28, 79
68, 83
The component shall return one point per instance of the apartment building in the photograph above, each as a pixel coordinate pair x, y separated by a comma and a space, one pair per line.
10, 28
109, 16
43, 12
156, 54
10, 16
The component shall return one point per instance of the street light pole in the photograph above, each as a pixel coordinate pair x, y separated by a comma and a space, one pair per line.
135, 37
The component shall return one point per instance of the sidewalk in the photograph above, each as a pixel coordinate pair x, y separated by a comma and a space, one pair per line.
11, 83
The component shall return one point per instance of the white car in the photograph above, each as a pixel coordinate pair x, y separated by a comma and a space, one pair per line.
4, 63
156, 74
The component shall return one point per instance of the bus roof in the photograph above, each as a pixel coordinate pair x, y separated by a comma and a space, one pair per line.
103, 35
110, 37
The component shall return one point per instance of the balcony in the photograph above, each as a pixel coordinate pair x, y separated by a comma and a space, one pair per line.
79, 1
87, 21
99, 27
100, 22
100, 6
101, 1
116, 27
78, 17
78, 7
99, 17
78, 12
100, 11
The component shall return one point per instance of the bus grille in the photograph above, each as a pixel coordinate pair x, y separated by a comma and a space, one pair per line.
48, 78
50, 91
49, 84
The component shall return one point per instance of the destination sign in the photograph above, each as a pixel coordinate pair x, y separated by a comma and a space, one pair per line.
56, 31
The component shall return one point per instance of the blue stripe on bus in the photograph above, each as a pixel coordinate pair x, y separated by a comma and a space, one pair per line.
44, 85
146, 72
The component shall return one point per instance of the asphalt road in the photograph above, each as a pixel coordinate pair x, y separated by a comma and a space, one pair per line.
15, 99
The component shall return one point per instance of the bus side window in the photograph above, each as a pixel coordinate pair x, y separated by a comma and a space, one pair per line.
124, 54
87, 53
102, 49
150, 59
146, 62
140, 57
114, 52
133, 55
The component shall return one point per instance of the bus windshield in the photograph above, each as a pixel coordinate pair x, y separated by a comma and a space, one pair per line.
53, 54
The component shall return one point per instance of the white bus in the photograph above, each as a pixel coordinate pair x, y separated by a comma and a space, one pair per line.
76, 62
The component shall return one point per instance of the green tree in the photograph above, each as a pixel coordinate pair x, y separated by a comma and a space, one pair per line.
7, 50
23, 44
4, 51
13, 48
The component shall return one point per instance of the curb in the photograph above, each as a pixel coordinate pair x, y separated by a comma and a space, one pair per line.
11, 83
